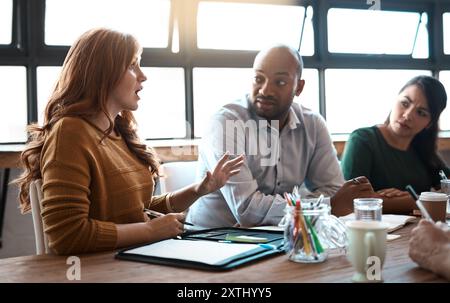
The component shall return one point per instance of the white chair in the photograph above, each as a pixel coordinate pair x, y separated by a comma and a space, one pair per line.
176, 175
36, 196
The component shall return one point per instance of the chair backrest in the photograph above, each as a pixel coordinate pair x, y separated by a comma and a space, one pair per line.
36, 196
176, 175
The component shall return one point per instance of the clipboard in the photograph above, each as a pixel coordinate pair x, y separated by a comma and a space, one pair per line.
194, 249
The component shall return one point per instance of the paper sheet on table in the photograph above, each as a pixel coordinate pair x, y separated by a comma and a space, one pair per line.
394, 221
392, 237
209, 252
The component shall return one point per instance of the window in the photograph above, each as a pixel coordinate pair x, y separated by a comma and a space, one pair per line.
161, 112
446, 24
239, 26
215, 87
13, 104
377, 32
147, 20
5, 21
310, 95
360, 98
444, 77
46, 80
196, 63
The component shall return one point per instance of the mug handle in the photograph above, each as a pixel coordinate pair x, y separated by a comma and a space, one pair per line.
369, 244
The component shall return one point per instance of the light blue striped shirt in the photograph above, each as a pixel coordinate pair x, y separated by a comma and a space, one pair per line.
303, 153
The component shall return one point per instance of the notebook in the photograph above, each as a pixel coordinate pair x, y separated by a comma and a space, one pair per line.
211, 249
211, 253
394, 221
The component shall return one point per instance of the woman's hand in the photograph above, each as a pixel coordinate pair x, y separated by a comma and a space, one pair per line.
164, 227
167, 226
222, 172
392, 192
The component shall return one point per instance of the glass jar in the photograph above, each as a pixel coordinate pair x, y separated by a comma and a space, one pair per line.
309, 234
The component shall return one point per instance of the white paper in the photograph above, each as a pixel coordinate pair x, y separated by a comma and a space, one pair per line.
208, 252
394, 221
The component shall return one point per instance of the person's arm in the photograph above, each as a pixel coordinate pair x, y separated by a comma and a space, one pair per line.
429, 246
342, 201
164, 227
396, 201
249, 206
66, 204
357, 156
324, 174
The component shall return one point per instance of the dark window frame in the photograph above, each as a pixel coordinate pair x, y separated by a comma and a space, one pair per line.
28, 48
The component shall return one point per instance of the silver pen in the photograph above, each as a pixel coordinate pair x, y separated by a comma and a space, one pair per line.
423, 211
154, 214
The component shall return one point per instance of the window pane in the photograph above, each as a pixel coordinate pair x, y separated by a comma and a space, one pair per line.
214, 87
46, 79
147, 20
376, 32
161, 112
310, 95
242, 26
210, 93
13, 102
360, 98
444, 77
446, 23
5, 21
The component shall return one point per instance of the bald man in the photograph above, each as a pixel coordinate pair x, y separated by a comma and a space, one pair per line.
284, 144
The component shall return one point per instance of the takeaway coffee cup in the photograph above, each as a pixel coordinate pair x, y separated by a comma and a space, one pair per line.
435, 204
445, 188
367, 249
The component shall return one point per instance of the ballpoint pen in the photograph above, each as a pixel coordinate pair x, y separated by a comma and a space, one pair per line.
412, 192
424, 211
154, 214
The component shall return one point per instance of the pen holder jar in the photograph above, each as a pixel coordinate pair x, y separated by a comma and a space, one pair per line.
309, 233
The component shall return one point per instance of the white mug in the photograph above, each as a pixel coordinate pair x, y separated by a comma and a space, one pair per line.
367, 249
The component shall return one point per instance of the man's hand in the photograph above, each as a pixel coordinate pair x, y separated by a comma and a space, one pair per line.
342, 201
429, 246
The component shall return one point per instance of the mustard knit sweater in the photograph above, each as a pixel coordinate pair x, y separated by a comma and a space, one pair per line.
90, 186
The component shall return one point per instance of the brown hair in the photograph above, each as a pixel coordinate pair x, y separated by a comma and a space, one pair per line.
93, 67
425, 142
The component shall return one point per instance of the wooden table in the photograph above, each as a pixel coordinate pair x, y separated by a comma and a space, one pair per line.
103, 267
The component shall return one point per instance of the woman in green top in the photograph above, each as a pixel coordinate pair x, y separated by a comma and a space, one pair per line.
402, 151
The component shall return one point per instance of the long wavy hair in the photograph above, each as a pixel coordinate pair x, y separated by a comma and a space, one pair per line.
425, 142
93, 67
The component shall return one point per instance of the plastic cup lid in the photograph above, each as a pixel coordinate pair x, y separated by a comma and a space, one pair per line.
432, 196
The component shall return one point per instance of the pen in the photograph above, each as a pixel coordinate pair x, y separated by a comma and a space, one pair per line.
442, 174
412, 192
424, 211
154, 214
